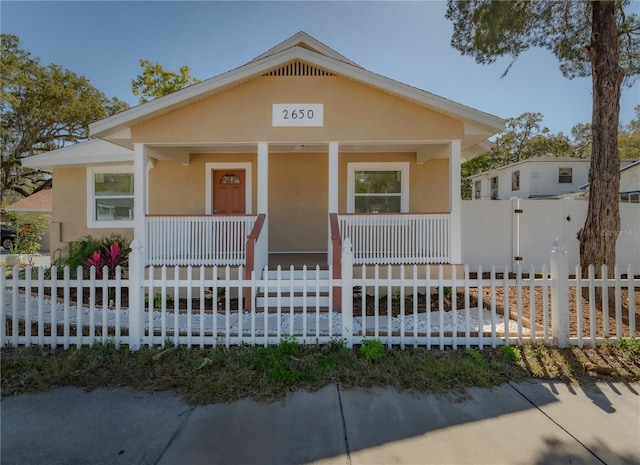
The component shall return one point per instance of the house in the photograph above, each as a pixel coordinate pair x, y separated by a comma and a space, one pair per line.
630, 183
38, 204
540, 177
276, 161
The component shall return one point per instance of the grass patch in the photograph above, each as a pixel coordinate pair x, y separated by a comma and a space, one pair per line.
268, 373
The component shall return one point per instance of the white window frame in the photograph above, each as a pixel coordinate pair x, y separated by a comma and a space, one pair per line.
403, 167
515, 176
495, 191
91, 197
215, 166
560, 176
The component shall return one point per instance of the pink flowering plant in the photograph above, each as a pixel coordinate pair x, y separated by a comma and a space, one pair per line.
110, 251
107, 255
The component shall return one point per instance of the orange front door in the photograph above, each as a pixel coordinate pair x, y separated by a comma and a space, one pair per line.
229, 192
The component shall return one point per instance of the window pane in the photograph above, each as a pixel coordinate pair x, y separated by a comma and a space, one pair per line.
108, 184
565, 175
378, 182
377, 203
114, 209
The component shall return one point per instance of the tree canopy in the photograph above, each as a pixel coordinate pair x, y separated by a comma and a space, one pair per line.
524, 138
600, 39
155, 81
488, 30
42, 108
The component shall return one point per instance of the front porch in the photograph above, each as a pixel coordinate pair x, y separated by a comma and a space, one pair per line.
396, 203
241, 240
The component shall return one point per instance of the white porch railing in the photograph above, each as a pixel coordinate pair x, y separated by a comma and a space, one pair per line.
198, 240
406, 238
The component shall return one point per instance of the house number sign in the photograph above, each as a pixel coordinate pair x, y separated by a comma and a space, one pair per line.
298, 114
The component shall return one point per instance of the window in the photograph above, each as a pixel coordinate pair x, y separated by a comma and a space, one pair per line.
478, 189
109, 197
378, 188
565, 175
515, 181
494, 188
631, 197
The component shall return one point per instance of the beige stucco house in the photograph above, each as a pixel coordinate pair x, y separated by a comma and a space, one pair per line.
278, 156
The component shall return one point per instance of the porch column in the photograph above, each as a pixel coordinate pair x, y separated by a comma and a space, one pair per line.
140, 194
455, 223
333, 187
333, 256
263, 196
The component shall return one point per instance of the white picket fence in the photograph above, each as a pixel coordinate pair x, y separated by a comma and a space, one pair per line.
205, 306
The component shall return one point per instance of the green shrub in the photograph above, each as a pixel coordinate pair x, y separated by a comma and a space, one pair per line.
509, 353
372, 349
475, 356
83, 253
157, 299
31, 229
630, 345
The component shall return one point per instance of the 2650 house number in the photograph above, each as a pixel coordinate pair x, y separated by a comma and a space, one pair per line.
295, 114
298, 114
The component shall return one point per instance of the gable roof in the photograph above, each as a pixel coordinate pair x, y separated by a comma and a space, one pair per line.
41, 201
304, 40
634, 166
304, 48
93, 152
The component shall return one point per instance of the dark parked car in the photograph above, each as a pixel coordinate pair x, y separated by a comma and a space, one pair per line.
8, 234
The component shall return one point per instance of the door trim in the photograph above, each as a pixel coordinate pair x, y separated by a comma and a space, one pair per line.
210, 167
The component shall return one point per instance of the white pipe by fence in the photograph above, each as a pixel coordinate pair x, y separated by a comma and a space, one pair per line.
347, 292
560, 295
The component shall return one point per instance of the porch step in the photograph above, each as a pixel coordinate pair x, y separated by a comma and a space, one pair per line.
298, 274
298, 299
290, 286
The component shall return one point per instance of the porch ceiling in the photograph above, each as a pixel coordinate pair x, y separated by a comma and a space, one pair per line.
425, 150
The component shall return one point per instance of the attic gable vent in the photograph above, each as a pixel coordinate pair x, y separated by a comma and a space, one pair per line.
298, 69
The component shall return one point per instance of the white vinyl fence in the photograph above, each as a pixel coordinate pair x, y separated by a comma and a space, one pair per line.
498, 231
437, 306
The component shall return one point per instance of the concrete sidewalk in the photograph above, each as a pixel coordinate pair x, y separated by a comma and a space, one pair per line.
527, 423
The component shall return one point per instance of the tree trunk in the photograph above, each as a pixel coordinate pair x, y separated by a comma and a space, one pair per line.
600, 231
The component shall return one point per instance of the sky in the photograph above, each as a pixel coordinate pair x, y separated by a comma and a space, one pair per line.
405, 41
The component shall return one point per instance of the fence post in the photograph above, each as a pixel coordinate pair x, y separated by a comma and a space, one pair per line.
560, 294
136, 296
347, 292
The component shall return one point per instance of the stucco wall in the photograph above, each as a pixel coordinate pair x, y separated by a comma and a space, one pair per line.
428, 182
298, 191
70, 210
352, 112
298, 182
180, 189
298, 202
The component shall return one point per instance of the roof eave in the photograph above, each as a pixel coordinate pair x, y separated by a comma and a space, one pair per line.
490, 124
82, 154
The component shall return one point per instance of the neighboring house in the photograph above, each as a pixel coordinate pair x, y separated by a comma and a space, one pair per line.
630, 183
38, 204
542, 177
295, 148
